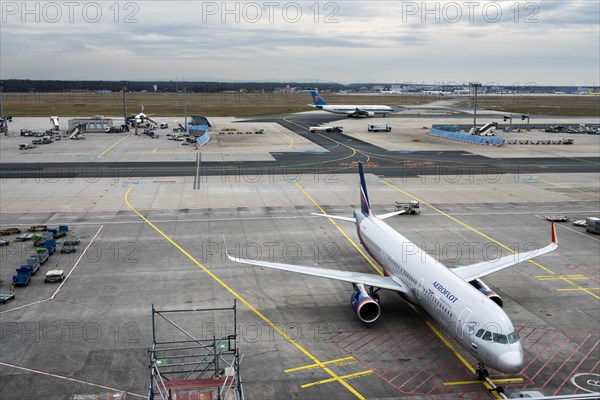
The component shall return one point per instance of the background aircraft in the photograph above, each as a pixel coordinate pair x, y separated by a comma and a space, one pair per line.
349, 110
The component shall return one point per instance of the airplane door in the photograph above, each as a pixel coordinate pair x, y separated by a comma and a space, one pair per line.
420, 288
463, 318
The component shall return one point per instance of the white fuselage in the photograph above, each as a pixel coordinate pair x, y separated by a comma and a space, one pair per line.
350, 109
475, 321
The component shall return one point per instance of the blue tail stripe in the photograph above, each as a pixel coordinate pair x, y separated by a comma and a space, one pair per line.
317, 100
365, 206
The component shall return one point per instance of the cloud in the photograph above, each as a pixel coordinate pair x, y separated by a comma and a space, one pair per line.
344, 40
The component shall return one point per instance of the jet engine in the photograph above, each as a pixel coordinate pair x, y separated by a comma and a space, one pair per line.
483, 288
366, 307
370, 114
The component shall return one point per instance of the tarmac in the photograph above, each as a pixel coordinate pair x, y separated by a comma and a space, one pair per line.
160, 240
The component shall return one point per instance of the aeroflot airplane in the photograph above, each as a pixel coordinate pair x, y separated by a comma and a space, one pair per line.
349, 110
456, 298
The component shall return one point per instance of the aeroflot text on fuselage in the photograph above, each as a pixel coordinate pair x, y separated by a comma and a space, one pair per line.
445, 292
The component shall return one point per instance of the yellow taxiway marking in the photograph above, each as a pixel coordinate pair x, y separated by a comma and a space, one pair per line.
334, 376
457, 354
505, 380
295, 123
487, 237
339, 361
284, 134
375, 267
570, 188
113, 145
429, 324
349, 376
577, 288
559, 277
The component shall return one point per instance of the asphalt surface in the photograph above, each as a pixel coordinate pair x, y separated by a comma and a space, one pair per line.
161, 243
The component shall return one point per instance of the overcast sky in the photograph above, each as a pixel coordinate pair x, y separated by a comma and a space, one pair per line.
504, 42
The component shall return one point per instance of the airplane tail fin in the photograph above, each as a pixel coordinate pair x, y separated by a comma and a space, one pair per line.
365, 206
317, 100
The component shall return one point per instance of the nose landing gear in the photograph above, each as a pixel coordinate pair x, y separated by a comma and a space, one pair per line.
481, 373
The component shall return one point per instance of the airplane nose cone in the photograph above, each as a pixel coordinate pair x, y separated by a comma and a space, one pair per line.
511, 362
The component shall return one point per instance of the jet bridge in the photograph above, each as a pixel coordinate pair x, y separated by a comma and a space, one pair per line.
195, 356
54, 122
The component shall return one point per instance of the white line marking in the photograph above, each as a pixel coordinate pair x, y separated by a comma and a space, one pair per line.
24, 305
77, 263
68, 378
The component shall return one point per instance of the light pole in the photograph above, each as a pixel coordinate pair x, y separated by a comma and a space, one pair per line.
509, 119
185, 106
124, 86
523, 117
2, 121
475, 86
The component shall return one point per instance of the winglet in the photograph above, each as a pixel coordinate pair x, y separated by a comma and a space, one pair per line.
554, 238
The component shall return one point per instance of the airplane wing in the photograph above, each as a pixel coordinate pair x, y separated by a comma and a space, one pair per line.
358, 112
476, 271
383, 282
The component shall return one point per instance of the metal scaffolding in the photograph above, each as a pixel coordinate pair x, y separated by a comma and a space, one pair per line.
184, 365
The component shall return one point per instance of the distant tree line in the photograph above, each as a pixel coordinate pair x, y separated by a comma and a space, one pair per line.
50, 86
45, 86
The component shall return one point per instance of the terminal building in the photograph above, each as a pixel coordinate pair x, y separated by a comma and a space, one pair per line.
93, 124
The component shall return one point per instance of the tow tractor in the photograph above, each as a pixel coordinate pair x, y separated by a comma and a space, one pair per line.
412, 207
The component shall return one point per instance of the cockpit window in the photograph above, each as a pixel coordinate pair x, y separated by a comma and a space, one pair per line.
487, 336
497, 337
513, 337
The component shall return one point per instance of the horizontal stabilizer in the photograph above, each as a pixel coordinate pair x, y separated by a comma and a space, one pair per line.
348, 219
392, 214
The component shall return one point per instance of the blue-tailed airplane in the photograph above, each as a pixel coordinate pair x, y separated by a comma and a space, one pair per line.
349, 110
455, 298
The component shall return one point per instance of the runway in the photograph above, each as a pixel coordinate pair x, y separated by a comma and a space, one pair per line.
332, 153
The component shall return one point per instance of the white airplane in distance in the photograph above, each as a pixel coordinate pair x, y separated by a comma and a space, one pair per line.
349, 110
140, 118
436, 92
456, 299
